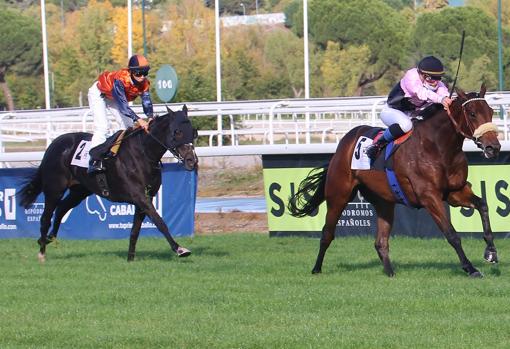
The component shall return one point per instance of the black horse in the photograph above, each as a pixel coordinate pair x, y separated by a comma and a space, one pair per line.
134, 176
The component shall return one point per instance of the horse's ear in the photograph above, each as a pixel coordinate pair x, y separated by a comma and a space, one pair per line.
460, 93
483, 89
169, 111
185, 108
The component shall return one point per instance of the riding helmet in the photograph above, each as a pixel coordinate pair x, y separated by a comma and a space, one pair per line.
432, 66
138, 63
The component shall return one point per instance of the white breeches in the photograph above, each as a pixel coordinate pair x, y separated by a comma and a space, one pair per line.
98, 105
392, 116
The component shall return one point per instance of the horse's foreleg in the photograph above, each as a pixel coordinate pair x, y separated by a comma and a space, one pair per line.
150, 211
438, 212
135, 232
385, 214
467, 198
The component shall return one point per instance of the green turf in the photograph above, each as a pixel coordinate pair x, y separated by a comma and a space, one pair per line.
251, 291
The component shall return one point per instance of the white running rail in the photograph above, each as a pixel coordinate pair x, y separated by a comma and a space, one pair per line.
254, 127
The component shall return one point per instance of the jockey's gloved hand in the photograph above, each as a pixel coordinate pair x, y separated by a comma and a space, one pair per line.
143, 124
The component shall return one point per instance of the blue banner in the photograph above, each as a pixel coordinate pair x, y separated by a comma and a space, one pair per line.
96, 217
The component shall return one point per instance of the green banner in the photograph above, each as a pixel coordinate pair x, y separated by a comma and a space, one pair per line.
492, 183
279, 184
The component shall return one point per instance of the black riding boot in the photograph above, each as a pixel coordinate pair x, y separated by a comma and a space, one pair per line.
374, 149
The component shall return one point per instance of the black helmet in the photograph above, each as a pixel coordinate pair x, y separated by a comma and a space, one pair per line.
432, 66
138, 63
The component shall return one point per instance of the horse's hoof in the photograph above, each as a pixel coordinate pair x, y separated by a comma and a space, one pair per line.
476, 274
183, 252
41, 257
316, 271
491, 257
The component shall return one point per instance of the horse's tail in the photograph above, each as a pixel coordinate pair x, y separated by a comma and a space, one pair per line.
310, 193
31, 190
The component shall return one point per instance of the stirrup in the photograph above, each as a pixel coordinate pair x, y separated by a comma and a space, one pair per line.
96, 166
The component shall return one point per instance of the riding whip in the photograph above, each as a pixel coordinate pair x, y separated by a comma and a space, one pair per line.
458, 66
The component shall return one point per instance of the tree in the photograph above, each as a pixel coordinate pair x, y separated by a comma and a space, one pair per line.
119, 49
471, 79
360, 22
20, 48
439, 33
284, 51
341, 69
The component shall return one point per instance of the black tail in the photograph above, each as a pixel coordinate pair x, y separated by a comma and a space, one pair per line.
31, 190
302, 204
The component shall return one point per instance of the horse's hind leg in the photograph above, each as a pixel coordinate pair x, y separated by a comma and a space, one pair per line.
73, 199
385, 214
438, 212
466, 198
135, 232
50, 203
336, 204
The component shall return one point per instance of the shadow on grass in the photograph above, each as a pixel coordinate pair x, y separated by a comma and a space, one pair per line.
453, 268
142, 254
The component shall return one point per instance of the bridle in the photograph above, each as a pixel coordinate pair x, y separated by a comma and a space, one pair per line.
475, 133
172, 150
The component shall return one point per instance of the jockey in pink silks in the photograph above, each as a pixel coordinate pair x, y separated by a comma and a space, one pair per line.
419, 86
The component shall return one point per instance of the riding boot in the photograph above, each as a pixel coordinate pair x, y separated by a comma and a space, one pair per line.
374, 149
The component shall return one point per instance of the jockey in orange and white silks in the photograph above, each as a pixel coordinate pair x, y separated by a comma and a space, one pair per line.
114, 90
419, 86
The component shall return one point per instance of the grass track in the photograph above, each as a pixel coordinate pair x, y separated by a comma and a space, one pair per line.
251, 291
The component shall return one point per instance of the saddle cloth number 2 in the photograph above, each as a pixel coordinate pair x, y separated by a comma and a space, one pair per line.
81, 155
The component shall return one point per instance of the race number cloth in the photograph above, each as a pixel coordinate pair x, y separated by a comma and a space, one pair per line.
81, 155
98, 218
360, 160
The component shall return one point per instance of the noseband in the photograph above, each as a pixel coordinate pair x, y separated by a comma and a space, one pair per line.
475, 133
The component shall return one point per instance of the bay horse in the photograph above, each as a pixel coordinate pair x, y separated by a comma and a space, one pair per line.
133, 176
431, 168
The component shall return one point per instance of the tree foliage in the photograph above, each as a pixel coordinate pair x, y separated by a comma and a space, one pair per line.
356, 47
439, 34
20, 48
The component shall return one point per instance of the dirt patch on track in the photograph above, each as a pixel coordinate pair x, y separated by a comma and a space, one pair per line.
243, 222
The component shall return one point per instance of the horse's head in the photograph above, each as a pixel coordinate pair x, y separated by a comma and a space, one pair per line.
179, 136
472, 118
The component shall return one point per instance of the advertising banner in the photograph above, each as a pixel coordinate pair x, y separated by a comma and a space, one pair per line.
284, 173
96, 217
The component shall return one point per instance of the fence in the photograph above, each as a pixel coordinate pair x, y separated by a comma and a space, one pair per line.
252, 127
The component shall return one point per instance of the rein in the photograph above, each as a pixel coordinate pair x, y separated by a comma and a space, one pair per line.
173, 150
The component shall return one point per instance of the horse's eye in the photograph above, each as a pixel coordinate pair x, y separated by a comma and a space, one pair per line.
472, 114
178, 134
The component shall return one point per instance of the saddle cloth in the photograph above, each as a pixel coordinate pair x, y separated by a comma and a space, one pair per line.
81, 156
383, 162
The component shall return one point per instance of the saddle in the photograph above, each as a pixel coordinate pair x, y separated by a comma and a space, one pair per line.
106, 152
110, 148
